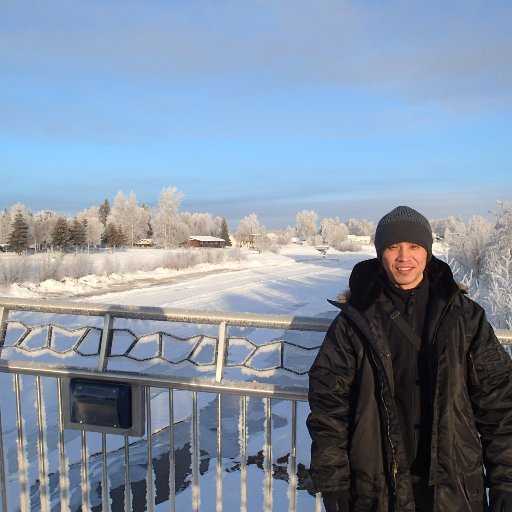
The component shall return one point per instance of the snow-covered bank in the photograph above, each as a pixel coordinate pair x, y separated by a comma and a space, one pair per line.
274, 281
123, 269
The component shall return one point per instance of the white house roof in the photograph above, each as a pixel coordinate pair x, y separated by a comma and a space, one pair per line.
201, 238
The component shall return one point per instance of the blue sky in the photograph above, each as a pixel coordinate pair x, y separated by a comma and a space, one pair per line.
348, 108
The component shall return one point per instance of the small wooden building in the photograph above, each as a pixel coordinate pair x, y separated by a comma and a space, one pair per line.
206, 241
144, 242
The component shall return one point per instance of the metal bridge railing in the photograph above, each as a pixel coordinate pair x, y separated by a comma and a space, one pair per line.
225, 402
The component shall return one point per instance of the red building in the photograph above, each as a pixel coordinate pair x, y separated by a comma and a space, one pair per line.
206, 241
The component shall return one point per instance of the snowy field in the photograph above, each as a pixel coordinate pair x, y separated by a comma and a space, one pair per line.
298, 280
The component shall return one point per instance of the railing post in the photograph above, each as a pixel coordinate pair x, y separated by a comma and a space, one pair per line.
221, 351
150, 494
218, 507
106, 341
196, 495
4, 312
3, 481
292, 467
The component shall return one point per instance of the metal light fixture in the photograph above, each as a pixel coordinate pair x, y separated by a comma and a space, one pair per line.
103, 406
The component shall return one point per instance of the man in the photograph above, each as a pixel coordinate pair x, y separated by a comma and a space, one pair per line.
411, 392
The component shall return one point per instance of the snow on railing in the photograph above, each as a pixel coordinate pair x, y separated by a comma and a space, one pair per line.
227, 390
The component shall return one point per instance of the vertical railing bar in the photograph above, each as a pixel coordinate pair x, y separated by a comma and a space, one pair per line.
43, 470
243, 454
172, 462
106, 341
268, 455
4, 313
105, 502
149, 474
3, 483
221, 351
22, 468
127, 485
195, 454
318, 502
292, 470
219, 453
84, 475
63, 468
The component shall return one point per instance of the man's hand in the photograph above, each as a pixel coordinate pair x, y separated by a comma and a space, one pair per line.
336, 501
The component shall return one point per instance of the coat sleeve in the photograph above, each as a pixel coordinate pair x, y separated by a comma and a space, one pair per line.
331, 380
490, 387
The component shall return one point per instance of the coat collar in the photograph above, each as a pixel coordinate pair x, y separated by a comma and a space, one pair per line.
368, 279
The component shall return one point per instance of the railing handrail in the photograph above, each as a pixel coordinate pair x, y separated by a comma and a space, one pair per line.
302, 323
200, 384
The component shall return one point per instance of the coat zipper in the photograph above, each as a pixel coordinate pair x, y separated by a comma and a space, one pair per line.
394, 465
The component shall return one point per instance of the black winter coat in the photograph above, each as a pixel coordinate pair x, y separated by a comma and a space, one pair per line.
356, 438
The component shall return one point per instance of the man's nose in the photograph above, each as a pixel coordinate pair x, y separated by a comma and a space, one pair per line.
404, 253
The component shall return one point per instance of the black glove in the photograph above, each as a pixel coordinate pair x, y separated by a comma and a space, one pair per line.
500, 501
336, 501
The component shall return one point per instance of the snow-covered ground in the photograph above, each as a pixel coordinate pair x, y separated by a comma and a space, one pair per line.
298, 279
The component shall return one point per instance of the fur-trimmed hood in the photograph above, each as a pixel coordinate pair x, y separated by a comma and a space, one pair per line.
368, 279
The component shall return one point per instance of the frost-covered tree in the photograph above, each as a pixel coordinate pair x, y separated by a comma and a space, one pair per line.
501, 238
5, 226
94, 227
18, 239
60, 234
441, 226
334, 232
285, 236
47, 225
248, 230
305, 224
132, 218
41, 225
169, 229
499, 280
498, 267
362, 227
199, 223
467, 243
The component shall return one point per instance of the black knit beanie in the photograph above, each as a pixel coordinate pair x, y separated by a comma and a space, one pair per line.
403, 224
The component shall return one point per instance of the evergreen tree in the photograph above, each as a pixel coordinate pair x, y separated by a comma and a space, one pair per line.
60, 234
224, 232
104, 211
113, 236
78, 233
17, 240
149, 227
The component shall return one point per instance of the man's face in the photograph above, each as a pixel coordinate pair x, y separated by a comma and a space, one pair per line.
404, 264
